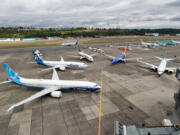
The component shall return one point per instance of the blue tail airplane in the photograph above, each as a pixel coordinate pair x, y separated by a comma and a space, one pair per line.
121, 58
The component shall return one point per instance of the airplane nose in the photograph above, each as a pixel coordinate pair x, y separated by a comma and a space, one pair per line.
160, 73
91, 60
98, 87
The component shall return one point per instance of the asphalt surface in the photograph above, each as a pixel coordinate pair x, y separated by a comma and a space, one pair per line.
132, 94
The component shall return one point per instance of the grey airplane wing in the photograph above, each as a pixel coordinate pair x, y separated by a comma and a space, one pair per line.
35, 96
148, 64
173, 69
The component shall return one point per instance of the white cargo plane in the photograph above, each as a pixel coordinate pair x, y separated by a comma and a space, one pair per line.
148, 45
162, 66
83, 55
49, 86
70, 43
62, 65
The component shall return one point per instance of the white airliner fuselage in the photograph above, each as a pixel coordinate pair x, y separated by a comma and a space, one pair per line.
65, 64
162, 67
59, 84
176, 42
86, 56
149, 45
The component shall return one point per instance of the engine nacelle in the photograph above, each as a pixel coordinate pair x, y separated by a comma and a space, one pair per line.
56, 94
153, 68
170, 71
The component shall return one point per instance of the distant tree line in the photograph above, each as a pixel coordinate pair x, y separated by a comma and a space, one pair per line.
28, 32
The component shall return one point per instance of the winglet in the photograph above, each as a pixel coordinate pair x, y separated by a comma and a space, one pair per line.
62, 58
11, 108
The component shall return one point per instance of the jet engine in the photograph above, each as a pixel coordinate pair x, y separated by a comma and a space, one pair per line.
56, 94
153, 68
170, 71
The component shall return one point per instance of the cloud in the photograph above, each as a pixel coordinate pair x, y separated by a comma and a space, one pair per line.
91, 13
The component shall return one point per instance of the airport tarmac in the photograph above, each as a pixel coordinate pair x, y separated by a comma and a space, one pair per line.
132, 94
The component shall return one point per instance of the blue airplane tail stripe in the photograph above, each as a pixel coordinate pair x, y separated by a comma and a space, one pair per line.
38, 59
77, 42
11, 74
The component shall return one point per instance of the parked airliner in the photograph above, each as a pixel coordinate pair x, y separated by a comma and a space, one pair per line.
121, 58
148, 45
62, 65
162, 66
83, 55
49, 86
176, 42
70, 43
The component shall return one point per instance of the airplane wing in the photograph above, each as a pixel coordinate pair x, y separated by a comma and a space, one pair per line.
93, 54
168, 59
6, 82
131, 59
35, 96
172, 69
58, 66
158, 57
55, 75
111, 57
147, 63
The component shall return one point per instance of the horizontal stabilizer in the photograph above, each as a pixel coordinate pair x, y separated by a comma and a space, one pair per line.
6, 82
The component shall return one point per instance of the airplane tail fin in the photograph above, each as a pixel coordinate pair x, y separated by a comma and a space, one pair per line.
38, 59
77, 42
11, 74
124, 50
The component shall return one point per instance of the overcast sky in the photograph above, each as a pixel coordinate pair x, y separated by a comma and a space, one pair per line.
91, 13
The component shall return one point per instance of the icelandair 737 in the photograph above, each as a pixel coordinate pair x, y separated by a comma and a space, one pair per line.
49, 86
